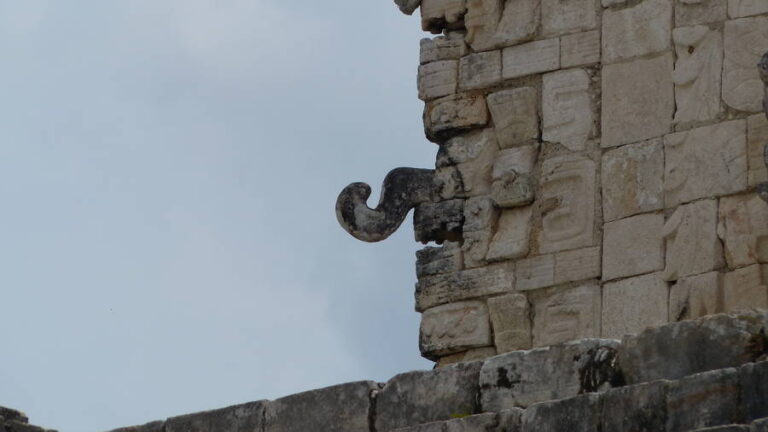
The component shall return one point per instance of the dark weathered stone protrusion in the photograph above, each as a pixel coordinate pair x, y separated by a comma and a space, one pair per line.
403, 189
408, 6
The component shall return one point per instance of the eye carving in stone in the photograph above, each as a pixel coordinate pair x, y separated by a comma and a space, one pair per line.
762, 67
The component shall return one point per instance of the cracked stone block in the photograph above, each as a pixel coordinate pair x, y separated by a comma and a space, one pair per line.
688, 13
632, 305
746, 40
340, 408
696, 296
480, 70
633, 246
577, 265
743, 8
753, 378
745, 289
495, 24
535, 272
447, 117
638, 100
639, 30
449, 47
513, 191
240, 418
414, 398
580, 49
568, 117
698, 72
559, 17
757, 138
577, 414
743, 227
475, 246
472, 355
432, 261
635, 408
530, 58
707, 399
566, 314
514, 161
479, 214
453, 328
515, 116
512, 237
473, 154
493, 279
524, 378
438, 15
438, 79
511, 320
633, 180
692, 246
480, 422
438, 221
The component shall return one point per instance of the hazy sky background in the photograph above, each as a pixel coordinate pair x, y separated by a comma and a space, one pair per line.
168, 172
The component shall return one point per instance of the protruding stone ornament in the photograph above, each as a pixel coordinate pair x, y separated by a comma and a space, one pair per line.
408, 6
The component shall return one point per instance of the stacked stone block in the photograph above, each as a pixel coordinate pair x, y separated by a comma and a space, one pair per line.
604, 158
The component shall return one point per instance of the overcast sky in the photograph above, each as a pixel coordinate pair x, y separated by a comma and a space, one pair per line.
168, 175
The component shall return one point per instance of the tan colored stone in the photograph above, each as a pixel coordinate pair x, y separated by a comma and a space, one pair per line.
642, 29
512, 237
577, 265
437, 15
475, 246
473, 154
697, 73
743, 8
745, 288
536, 272
633, 180
566, 314
439, 260
568, 117
515, 161
746, 40
450, 115
633, 246
513, 191
704, 162
559, 17
511, 321
580, 49
472, 355
453, 328
691, 240
696, 296
438, 79
631, 305
449, 47
480, 70
568, 188
515, 115
638, 100
493, 279
495, 23
743, 227
479, 214
757, 139
692, 12
531, 58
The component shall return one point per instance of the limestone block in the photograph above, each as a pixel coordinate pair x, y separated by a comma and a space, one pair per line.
453, 328
449, 47
511, 320
479, 214
438, 79
753, 379
447, 182
480, 422
565, 314
438, 221
480, 70
567, 112
448, 116
495, 24
515, 116
692, 246
474, 354
696, 296
633, 246
580, 49
156, 426
514, 161
473, 154
633, 180
639, 30
474, 247
631, 305
685, 348
707, 399
524, 378
745, 289
468, 284
568, 189
638, 100
559, 17
240, 418
512, 237
704, 162
432, 261
757, 138
414, 398
698, 73
530, 58
513, 191
635, 408
743, 227
536, 272
688, 13
576, 414
743, 8
339, 408
437, 15
577, 265
746, 40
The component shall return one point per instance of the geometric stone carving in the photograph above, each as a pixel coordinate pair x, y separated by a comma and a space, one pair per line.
558, 17
513, 191
638, 100
453, 328
703, 162
568, 188
633, 180
743, 227
745, 42
643, 29
757, 138
530, 58
480, 70
473, 154
515, 161
437, 15
480, 216
494, 24
493, 279
697, 73
633, 246
568, 118
515, 115
631, 305
511, 240
580, 49
510, 315
688, 13
743, 8
535, 272
745, 288
696, 296
449, 47
692, 243
566, 314
438, 79
448, 116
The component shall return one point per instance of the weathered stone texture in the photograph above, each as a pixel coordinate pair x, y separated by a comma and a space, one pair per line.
515, 161
746, 40
633, 180
432, 261
698, 73
535, 272
632, 305
496, 24
636, 408
692, 246
450, 115
708, 399
453, 328
696, 296
437, 15
530, 58
558, 17
568, 117
633, 246
743, 8
578, 414
472, 355
642, 29
757, 138
744, 289
580, 49
694, 12
480, 422
577, 265
438, 79
480, 70
511, 240
566, 314
240, 418
449, 47
438, 221
473, 154
743, 227
511, 318
753, 379
515, 115
468, 284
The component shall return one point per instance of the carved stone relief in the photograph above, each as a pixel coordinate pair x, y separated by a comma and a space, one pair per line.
745, 41
567, 108
496, 23
697, 73
454, 328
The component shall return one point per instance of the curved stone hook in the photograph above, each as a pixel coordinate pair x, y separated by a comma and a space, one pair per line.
403, 189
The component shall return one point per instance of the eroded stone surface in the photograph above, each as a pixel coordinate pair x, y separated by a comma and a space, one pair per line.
698, 73
580, 49
449, 47
512, 237
566, 314
473, 154
453, 328
480, 70
633, 246
468, 284
691, 12
577, 265
468, 356
432, 261
746, 40
632, 305
692, 246
496, 24
745, 289
743, 8
635, 408
743, 227
535, 272
515, 115
240, 418
642, 29
633, 180
708, 399
438, 79
757, 138
568, 117
696, 296
558, 17
577, 414
530, 58
437, 15
451, 115
511, 319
